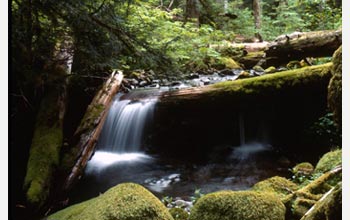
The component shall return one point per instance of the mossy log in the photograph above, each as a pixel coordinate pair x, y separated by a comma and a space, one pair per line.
299, 45
84, 140
46, 145
241, 89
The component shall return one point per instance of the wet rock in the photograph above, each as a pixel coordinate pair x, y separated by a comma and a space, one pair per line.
143, 83
271, 69
206, 81
226, 72
243, 75
193, 76
258, 69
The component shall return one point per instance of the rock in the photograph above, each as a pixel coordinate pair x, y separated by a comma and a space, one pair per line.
143, 83
123, 202
328, 161
226, 72
295, 64
271, 69
206, 81
277, 185
243, 75
226, 62
179, 214
303, 169
258, 68
335, 87
193, 76
238, 205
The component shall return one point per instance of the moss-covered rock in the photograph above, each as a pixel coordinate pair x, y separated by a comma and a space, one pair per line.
335, 87
304, 168
329, 207
277, 185
258, 68
229, 63
270, 69
328, 161
238, 205
179, 214
127, 201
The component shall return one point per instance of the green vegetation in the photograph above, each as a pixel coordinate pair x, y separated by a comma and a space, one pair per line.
123, 202
179, 214
277, 185
238, 205
328, 161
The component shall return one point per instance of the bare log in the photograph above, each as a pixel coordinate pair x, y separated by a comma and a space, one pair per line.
299, 45
86, 135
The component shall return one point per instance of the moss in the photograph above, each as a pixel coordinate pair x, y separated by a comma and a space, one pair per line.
274, 82
329, 207
302, 172
258, 68
271, 69
44, 151
91, 116
277, 185
123, 202
179, 214
328, 161
335, 87
295, 64
301, 206
238, 205
229, 63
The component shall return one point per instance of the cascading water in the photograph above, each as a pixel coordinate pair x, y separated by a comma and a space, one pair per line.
125, 124
122, 136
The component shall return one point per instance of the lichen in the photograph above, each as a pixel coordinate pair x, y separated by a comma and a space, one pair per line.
277, 185
123, 202
238, 205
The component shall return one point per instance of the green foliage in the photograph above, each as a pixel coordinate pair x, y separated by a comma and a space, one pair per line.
326, 129
196, 195
179, 214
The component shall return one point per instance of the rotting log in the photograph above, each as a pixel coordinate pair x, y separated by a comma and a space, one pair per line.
299, 45
85, 138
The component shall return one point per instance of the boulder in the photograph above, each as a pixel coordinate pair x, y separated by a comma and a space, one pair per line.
277, 185
328, 161
238, 205
123, 202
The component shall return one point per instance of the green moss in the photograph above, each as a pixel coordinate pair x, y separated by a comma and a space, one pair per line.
328, 161
44, 151
238, 205
277, 185
90, 118
226, 62
329, 207
179, 214
258, 68
335, 87
304, 168
127, 201
271, 69
274, 82
301, 206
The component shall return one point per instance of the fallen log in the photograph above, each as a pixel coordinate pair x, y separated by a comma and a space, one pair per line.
299, 45
294, 97
85, 138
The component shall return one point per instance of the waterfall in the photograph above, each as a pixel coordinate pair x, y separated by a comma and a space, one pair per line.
123, 131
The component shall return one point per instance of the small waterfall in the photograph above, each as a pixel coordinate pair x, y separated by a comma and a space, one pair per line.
124, 128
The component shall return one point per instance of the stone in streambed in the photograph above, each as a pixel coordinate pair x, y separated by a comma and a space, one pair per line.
238, 205
123, 202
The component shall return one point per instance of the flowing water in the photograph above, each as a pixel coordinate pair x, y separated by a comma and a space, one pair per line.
121, 157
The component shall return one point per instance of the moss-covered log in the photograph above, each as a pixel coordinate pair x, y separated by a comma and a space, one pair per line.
335, 87
46, 145
259, 86
85, 138
299, 45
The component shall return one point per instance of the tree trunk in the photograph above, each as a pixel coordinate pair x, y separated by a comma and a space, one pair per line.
257, 14
299, 45
86, 135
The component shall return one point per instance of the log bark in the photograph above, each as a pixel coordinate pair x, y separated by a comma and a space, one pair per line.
299, 45
86, 135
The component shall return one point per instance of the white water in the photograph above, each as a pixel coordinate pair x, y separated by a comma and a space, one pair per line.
124, 128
